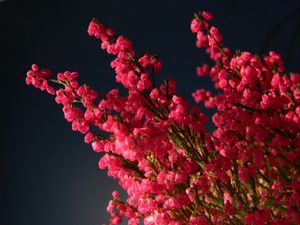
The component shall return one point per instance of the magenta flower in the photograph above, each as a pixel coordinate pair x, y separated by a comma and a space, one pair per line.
175, 172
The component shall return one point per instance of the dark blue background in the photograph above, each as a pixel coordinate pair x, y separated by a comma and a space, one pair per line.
49, 176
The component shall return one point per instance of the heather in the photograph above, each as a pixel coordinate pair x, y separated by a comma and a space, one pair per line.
155, 143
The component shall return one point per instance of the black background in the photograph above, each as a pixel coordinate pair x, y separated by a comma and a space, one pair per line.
49, 176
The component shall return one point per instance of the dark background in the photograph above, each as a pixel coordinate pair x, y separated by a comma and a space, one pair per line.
49, 176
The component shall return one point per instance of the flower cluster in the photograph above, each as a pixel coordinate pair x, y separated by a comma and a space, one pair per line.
173, 171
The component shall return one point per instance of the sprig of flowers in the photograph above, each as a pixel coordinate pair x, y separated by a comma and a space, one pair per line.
155, 144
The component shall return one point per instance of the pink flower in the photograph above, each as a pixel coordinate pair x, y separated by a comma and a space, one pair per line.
207, 15
203, 70
173, 170
195, 26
